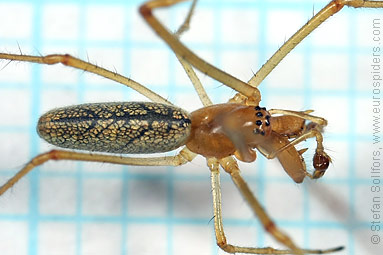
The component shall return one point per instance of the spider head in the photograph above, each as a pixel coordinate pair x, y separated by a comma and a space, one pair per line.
246, 127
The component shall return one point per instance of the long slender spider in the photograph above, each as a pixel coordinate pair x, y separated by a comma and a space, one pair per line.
241, 153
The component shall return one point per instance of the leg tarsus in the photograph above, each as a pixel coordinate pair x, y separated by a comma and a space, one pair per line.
186, 24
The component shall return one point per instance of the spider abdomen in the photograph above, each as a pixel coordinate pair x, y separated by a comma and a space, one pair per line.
116, 127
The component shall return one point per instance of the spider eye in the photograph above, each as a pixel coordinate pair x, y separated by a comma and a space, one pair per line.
262, 121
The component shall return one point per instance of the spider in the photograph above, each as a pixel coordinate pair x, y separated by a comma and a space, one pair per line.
253, 98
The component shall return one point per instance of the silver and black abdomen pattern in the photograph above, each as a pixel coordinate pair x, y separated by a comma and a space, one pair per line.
118, 127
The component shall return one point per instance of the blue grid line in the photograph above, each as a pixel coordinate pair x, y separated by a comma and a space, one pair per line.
34, 176
196, 221
352, 151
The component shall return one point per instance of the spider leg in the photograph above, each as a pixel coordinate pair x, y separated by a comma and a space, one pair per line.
188, 67
185, 53
218, 224
68, 60
181, 158
231, 167
325, 13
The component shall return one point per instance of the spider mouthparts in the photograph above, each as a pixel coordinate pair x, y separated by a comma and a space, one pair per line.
302, 151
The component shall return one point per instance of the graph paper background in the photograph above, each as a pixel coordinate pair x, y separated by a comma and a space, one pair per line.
82, 208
